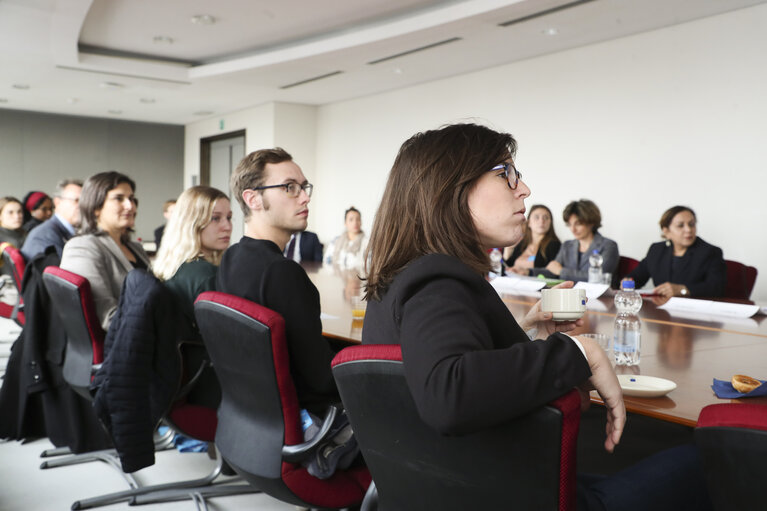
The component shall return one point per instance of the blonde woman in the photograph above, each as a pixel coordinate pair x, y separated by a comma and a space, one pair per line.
197, 233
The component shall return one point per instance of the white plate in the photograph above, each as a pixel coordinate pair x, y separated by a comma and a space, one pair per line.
645, 386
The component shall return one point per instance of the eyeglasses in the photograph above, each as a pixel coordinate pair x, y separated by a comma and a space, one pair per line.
510, 172
293, 189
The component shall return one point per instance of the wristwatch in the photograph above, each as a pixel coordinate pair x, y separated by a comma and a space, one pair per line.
684, 291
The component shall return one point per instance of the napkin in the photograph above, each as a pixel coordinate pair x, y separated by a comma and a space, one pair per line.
724, 389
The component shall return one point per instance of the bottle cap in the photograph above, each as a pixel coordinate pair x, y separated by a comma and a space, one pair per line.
628, 284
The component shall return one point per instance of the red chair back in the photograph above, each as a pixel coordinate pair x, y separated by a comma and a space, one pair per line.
740, 280
732, 442
15, 261
528, 463
72, 299
259, 415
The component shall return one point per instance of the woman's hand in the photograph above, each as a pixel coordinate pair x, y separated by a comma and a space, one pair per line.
543, 321
604, 381
667, 290
519, 270
554, 267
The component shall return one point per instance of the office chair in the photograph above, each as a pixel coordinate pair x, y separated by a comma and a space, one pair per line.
259, 429
732, 442
13, 259
85, 355
740, 280
527, 463
625, 266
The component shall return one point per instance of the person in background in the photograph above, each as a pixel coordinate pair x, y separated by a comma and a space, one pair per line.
38, 208
197, 233
451, 195
572, 262
539, 246
167, 211
103, 253
684, 264
347, 250
304, 246
12, 221
274, 196
58, 229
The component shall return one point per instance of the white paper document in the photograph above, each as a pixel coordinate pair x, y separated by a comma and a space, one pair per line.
710, 307
516, 285
593, 291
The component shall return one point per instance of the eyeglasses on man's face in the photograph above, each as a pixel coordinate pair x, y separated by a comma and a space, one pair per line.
292, 188
510, 172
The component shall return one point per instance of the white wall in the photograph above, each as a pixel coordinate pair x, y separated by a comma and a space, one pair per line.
638, 124
674, 116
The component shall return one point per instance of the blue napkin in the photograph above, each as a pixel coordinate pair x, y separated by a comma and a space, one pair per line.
724, 389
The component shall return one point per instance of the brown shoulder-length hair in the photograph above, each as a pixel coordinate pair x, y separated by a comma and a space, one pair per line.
585, 211
670, 213
94, 194
548, 237
424, 209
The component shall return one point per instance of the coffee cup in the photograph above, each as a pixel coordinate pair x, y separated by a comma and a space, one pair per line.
564, 304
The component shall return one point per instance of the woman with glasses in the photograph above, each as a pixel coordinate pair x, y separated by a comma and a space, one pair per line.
684, 264
103, 252
451, 195
538, 247
347, 250
572, 262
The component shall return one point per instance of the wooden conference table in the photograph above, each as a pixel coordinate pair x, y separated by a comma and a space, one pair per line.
690, 351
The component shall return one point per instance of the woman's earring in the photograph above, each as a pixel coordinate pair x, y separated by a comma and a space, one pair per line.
668, 243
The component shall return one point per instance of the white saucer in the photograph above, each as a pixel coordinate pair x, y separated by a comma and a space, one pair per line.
567, 316
645, 386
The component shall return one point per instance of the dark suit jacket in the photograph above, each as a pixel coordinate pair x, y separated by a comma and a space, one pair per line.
467, 362
258, 271
311, 248
51, 233
702, 268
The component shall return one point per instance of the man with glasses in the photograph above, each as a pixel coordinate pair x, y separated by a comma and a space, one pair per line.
274, 196
61, 226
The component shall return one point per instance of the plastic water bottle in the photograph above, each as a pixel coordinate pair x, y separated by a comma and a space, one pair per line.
495, 261
595, 267
627, 332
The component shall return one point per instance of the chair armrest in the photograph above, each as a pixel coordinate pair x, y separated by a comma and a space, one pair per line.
298, 452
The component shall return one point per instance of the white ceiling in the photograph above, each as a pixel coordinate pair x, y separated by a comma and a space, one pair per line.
101, 58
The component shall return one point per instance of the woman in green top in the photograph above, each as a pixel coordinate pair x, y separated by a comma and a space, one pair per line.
195, 238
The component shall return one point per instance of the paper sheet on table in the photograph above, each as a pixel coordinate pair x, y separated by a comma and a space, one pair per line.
327, 316
593, 291
516, 285
763, 310
710, 307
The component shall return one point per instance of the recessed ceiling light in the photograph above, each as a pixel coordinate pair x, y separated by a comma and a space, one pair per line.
72, 101
203, 19
115, 112
397, 71
162, 39
550, 31
21, 86
203, 112
148, 101
111, 85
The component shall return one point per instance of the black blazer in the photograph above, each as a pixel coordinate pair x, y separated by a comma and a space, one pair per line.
468, 364
311, 248
702, 268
